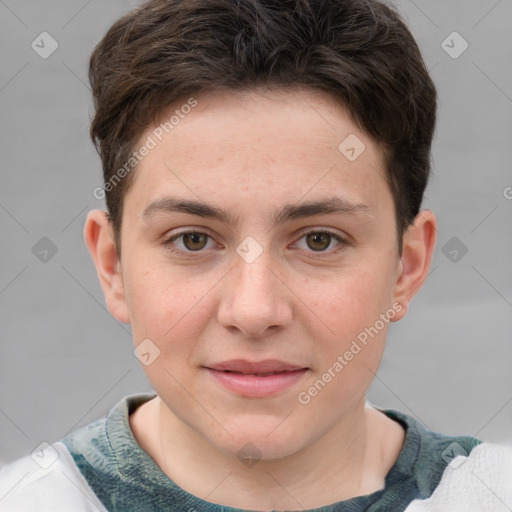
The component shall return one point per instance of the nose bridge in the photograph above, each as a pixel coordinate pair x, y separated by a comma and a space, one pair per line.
255, 278
254, 300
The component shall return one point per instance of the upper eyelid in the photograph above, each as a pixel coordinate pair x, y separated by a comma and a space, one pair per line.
209, 233
342, 237
189, 230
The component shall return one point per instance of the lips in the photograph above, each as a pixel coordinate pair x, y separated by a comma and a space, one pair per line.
256, 379
262, 368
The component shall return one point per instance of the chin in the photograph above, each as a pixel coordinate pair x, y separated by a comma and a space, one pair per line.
256, 438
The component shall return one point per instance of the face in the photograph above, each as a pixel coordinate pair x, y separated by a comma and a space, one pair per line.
257, 280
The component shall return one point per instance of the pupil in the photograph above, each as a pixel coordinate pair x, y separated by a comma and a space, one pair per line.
317, 239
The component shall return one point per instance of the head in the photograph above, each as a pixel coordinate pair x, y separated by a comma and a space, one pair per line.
304, 131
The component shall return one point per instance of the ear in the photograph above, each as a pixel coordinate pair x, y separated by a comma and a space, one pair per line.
418, 246
99, 237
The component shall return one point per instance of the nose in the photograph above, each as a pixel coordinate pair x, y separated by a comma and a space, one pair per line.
255, 300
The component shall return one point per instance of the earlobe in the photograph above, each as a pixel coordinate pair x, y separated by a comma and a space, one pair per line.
99, 238
418, 247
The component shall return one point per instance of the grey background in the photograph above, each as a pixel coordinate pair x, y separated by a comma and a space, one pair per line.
64, 361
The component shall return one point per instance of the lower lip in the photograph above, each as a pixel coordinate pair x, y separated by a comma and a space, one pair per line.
257, 386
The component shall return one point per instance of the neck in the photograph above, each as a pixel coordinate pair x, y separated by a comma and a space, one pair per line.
349, 460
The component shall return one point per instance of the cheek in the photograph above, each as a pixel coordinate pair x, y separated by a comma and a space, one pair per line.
349, 301
349, 311
163, 303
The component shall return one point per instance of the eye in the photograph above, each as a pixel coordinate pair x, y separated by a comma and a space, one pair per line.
316, 241
319, 241
191, 241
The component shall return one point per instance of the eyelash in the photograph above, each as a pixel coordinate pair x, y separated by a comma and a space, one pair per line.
343, 242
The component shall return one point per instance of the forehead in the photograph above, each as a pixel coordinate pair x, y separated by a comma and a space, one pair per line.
273, 144
254, 119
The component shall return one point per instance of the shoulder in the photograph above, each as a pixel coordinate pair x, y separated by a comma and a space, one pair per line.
47, 480
426, 454
441, 473
77, 473
479, 481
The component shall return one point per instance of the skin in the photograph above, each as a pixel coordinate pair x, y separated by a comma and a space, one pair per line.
252, 153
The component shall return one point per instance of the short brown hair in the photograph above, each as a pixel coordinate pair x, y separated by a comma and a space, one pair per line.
359, 52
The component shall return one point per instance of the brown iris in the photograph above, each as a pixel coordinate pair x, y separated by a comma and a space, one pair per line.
197, 241
318, 241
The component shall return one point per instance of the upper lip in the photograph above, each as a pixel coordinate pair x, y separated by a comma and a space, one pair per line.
252, 367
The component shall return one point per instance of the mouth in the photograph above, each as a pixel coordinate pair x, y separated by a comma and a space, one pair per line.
257, 374
268, 366
256, 379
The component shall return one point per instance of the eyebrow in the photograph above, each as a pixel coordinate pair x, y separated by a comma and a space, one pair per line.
327, 206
